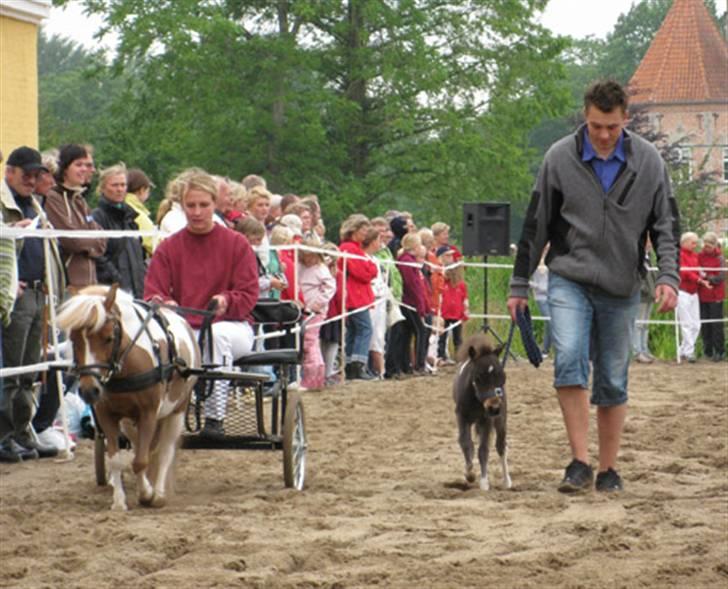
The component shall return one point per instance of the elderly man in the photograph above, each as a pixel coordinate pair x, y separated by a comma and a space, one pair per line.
21, 339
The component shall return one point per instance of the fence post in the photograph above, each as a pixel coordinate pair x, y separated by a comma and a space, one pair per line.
66, 453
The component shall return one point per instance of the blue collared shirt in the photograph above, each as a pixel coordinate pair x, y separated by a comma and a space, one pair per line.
605, 169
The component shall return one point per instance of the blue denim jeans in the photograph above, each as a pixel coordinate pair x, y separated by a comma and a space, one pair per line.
358, 334
587, 323
543, 308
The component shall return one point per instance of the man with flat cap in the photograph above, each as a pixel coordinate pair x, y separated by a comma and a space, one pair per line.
21, 339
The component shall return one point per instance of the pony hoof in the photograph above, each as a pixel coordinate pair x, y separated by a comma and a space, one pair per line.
119, 507
147, 501
158, 501
470, 476
508, 483
484, 484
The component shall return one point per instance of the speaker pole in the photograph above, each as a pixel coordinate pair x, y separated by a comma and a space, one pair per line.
486, 327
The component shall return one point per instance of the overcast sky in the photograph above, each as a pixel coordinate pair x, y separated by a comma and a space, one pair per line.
579, 18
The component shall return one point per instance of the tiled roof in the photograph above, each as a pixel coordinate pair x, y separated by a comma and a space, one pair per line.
686, 62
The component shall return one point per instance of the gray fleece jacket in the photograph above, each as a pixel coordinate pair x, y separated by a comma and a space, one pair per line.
597, 238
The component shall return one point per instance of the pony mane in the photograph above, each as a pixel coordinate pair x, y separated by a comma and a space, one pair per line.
86, 310
482, 344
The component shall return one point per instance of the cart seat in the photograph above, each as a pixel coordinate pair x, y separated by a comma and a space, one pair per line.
269, 357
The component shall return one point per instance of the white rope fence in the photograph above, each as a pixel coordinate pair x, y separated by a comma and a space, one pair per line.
18, 233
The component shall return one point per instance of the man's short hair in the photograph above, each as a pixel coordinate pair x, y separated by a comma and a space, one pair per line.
606, 95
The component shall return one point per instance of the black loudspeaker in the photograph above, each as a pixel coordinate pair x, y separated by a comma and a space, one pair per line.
486, 228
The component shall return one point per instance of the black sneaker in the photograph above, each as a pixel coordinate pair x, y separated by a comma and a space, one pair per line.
213, 429
578, 477
609, 481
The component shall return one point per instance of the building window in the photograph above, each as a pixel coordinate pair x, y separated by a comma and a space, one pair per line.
684, 159
725, 164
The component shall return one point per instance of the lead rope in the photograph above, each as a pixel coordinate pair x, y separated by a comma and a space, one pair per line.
508, 343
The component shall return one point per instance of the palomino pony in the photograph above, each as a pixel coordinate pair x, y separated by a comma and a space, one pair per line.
480, 400
134, 364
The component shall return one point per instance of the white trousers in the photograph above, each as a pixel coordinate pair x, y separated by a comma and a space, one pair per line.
231, 340
378, 315
688, 315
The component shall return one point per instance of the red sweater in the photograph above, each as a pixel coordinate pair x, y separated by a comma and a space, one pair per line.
453, 301
359, 276
689, 278
190, 269
713, 259
413, 285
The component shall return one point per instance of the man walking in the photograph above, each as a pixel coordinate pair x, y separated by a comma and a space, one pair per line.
599, 194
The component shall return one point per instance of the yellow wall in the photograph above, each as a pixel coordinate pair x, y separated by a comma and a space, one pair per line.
18, 84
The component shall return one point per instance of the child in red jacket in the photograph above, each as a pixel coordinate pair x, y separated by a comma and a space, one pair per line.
455, 307
711, 297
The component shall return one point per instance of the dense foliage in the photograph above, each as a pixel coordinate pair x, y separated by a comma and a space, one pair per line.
418, 104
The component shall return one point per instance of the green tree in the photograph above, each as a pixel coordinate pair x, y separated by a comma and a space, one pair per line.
75, 93
372, 104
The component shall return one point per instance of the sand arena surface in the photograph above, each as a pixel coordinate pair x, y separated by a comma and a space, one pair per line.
385, 504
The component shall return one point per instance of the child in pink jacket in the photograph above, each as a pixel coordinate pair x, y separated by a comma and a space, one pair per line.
317, 288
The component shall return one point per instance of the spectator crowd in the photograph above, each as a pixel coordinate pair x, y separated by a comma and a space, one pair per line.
397, 286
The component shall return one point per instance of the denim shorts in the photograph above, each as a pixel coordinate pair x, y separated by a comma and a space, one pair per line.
588, 323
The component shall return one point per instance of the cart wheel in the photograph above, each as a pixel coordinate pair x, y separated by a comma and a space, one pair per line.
295, 444
100, 459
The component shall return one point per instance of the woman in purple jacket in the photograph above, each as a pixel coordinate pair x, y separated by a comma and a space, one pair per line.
414, 307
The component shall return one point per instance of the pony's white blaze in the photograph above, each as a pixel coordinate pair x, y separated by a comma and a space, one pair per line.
88, 356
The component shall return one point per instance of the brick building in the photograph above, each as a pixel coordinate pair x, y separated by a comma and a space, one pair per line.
682, 83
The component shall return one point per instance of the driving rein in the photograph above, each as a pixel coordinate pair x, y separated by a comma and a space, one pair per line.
113, 381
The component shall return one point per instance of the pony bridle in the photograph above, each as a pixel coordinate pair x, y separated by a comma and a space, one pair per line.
483, 396
113, 366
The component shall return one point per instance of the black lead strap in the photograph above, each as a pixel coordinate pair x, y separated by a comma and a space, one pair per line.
508, 343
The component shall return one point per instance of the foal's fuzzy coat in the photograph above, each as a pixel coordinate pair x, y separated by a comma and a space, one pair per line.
480, 400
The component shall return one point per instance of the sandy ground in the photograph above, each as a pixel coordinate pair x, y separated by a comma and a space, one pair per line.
385, 503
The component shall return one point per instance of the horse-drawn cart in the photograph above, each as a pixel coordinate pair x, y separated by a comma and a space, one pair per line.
261, 413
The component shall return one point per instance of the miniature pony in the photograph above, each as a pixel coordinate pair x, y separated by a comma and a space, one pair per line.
133, 364
480, 400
